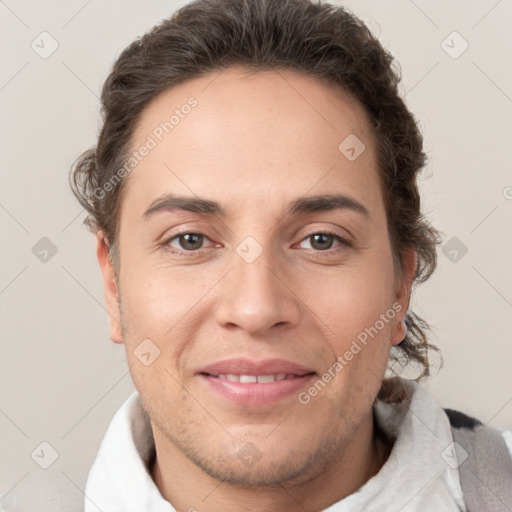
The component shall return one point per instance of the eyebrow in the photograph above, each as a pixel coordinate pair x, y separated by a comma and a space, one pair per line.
309, 204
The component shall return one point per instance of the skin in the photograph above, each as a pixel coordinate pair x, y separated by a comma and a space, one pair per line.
254, 143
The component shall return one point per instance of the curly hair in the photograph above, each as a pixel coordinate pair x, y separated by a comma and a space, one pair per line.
324, 41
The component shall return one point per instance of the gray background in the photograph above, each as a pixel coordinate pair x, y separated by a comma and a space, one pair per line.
61, 379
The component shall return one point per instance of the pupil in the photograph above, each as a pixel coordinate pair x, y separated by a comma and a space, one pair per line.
190, 241
322, 238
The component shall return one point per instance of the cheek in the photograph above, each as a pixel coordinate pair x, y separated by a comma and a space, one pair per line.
350, 300
155, 299
356, 306
161, 312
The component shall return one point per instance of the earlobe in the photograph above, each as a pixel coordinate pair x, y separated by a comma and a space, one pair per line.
109, 288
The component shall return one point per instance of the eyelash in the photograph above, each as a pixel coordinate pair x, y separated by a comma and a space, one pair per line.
344, 244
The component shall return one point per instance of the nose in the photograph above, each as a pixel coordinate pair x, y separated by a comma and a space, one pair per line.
257, 297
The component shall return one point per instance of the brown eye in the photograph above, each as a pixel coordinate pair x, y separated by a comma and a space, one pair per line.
323, 241
188, 241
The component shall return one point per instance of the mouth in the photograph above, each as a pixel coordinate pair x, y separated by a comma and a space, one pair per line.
245, 382
251, 379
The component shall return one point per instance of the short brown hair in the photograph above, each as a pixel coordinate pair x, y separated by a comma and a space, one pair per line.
321, 40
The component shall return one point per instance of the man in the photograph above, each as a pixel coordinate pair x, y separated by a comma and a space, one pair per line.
253, 193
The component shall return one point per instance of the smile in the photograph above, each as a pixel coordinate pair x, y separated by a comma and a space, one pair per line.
241, 381
248, 379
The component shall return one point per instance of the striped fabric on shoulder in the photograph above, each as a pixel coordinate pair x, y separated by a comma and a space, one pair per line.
485, 464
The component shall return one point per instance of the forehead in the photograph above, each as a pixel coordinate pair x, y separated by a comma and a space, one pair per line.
279, 96
279, 129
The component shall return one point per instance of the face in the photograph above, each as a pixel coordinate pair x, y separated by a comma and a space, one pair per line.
258, 300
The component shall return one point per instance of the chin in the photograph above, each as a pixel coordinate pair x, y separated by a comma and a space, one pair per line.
260, 461
258, 473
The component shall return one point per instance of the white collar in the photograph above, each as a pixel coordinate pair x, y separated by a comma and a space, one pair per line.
416, 476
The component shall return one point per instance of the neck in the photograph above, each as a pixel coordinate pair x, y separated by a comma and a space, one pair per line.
188, 488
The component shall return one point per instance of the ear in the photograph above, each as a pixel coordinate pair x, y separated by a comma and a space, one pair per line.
109, 288
403, 293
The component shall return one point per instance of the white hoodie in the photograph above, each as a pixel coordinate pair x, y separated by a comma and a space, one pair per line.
419, 475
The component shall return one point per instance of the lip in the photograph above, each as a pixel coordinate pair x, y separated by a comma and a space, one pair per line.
256, 393
244, 366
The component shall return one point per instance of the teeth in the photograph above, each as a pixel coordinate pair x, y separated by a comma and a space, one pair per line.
248, 379
266, 378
